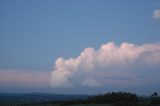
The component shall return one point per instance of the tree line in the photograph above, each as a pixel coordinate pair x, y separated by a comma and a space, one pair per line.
117, 99
112, 98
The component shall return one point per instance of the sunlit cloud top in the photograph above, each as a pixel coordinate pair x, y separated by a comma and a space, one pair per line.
101, 67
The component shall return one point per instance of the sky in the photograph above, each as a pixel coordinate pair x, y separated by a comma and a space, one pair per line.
80, 46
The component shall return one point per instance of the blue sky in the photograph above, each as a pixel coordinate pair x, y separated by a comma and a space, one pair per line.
34, 33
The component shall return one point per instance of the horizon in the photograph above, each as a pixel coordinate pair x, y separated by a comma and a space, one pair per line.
146, 95
84, 46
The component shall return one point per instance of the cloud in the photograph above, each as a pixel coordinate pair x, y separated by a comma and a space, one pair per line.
108, 65
25, 78
91, 82
156, 14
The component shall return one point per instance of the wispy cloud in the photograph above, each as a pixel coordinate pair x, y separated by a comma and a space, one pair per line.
93, 67
23, 78
156, 14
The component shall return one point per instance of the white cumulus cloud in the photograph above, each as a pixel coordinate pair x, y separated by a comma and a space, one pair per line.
95, 68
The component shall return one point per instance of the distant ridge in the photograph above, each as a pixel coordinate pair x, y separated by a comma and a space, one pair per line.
38, 97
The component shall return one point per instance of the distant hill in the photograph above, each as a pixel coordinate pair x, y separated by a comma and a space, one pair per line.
37, 97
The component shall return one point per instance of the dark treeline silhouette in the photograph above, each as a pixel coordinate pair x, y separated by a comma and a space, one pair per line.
115, 98
110, 99
155, 99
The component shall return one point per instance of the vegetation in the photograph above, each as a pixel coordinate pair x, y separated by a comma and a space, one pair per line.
108, 99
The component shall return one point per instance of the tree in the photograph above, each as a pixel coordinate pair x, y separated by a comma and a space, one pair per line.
155, 94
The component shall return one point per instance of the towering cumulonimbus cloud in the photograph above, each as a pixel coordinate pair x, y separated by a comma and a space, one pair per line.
96, 67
